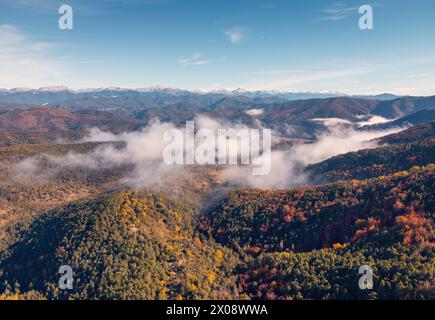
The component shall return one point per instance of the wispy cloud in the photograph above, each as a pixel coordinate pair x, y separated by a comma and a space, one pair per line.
236, 34
422, 75
337, 11
194, 60
298, 80
24, 62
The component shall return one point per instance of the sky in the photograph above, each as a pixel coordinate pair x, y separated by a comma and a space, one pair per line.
291, 45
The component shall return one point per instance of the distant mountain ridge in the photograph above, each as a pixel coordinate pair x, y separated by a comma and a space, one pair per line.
57, 94
46, 119
416, 118
118, 110
397, 152
43, 125
403, 106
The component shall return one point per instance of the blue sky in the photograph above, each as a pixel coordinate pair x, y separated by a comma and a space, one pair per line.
291, 45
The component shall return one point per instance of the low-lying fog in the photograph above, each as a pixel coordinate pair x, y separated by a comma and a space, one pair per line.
144, 152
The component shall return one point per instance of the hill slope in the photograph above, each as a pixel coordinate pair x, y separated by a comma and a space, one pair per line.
42, 125
416, 118
414, 134
403, 106
342, 107
126, 245
412, 147
309, 243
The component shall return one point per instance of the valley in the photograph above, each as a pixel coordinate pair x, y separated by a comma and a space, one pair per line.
81, 185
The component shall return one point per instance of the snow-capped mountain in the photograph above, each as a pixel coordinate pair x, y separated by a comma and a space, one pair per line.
47, 95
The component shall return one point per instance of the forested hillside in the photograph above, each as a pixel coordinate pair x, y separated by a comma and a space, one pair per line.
403, 106
194, 236
122, 246
366, 164
45, 125
289, 244
402, 151
310, 242
418, 133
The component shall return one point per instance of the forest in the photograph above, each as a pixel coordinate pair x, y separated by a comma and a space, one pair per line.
198, 238
306, 243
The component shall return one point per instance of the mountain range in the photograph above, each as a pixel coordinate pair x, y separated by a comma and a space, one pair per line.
55, 94
135, 109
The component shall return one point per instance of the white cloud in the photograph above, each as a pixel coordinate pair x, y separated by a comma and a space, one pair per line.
288, 166
143, 151
337, 11
254, 112
330, 122
301, 81
194, 60
236, 35
372, 120
422, 75
26, 63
